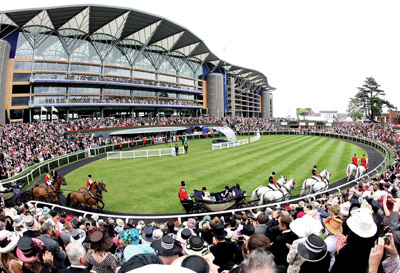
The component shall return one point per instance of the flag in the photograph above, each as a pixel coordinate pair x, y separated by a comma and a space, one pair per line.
53, 109
43, 109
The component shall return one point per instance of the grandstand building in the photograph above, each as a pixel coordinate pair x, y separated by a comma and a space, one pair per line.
92, 61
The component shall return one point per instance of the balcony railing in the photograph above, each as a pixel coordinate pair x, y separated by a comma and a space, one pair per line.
120, 101
86, 78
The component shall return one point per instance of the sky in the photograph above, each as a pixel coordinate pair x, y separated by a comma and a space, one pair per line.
315, 53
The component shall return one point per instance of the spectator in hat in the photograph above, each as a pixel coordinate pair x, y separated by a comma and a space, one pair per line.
302, 227
194, 262
147, 235
8, 242
359, 243
98, 255
314, 252
168, 250
19, 224
52, 246
225, 193
31, 251
224, 252
30, 225
334, 227
77, 257
184, 197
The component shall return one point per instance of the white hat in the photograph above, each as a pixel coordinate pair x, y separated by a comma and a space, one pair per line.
345, 208
362, 224
18, 220
78, 235
305, 226
8, 241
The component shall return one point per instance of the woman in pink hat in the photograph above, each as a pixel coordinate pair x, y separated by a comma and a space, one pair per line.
8, 242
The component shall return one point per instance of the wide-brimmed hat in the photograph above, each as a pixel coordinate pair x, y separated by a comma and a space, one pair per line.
147, 234
313, 249
29, 222
28, 249
120, 222
130, 236
333, 225
78, 235
193, 262
345, 208
132, 250
197, 245
218, 231
18, 220
100, 240
305, 226
8, 240
167, 246
362, 224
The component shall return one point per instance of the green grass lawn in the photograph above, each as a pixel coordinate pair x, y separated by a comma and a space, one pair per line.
150, 185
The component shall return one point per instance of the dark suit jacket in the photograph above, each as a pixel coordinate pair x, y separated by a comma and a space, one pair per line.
31, 233
53, 246
73, 270
279, 248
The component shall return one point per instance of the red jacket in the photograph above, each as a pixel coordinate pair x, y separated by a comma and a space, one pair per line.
183, 194
364, 162
354, 160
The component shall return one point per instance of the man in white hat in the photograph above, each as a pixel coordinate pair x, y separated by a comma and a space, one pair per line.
30, 224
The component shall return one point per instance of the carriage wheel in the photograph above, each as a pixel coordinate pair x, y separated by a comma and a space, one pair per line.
26, 196
199, 209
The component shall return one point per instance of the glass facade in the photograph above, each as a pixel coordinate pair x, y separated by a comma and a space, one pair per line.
50, 66
49, 89
115, 91
85, 68
84, 90
48, 99
117, 71
144, 93
23, 66
21, 77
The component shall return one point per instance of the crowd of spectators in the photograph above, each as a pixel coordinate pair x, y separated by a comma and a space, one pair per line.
353, 231
23, 145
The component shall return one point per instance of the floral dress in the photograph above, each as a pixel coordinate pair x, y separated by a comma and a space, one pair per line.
293, 257
108, 265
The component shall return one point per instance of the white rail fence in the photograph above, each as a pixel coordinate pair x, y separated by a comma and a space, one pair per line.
143, 153
223, 145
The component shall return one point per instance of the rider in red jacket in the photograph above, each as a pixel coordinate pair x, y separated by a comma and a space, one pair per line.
364, 162
354, 160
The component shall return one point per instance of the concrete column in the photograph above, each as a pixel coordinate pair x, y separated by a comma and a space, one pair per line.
4, 57
266, 104
233, 103
215, 94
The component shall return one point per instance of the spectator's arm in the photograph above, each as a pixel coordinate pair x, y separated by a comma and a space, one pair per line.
385, 208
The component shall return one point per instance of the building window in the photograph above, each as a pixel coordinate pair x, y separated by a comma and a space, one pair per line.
21, 77
86, 68
20, 101
22, 65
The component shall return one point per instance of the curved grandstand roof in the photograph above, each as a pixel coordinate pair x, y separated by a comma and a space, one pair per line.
123, 28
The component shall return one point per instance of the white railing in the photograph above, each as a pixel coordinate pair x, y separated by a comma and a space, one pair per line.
179, 217
223, 145
256, 137
143, 153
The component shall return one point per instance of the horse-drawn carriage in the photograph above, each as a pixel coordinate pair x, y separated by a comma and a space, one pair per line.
198, 204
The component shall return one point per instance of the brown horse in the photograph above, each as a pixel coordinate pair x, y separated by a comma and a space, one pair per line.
40, 192
91, 197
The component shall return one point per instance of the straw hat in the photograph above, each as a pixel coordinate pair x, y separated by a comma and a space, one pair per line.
333, 225
120, 222
305, 226
362, 224
8, 241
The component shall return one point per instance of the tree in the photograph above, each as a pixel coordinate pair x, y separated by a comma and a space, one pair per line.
354, 109
371, 99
